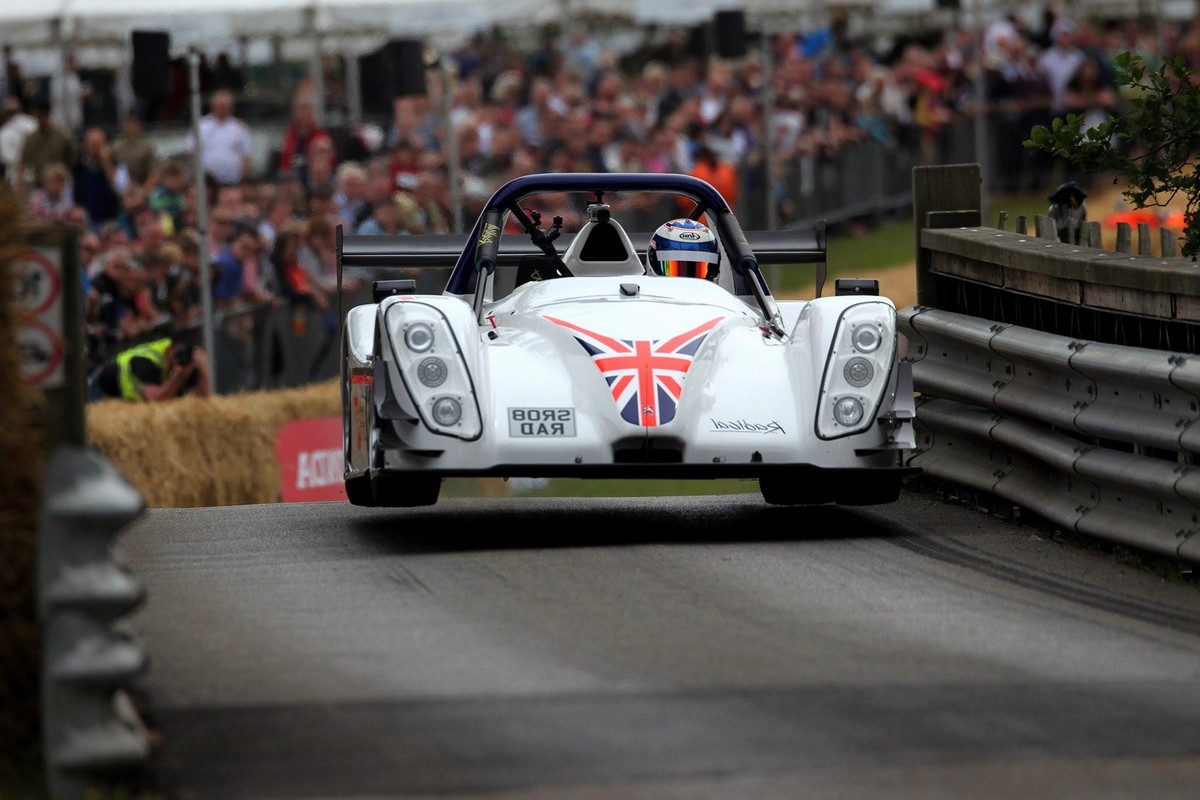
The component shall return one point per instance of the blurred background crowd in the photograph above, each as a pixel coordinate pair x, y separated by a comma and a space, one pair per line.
801, 125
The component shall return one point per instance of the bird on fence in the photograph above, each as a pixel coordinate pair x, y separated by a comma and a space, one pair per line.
1068, 211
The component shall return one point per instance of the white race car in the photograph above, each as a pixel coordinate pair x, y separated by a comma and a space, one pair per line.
561, 351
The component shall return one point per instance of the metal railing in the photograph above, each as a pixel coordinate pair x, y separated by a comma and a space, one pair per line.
93, 736
1099, 437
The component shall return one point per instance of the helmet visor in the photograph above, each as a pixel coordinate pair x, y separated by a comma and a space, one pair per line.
676, 268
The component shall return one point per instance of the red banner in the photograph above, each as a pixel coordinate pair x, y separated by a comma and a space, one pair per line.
310, 458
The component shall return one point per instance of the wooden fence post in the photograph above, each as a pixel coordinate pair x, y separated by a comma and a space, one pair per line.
947, 196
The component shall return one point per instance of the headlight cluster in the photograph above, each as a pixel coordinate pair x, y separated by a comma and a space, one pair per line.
857, 371
431, 366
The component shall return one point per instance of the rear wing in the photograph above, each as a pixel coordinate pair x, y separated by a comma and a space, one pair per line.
783, 248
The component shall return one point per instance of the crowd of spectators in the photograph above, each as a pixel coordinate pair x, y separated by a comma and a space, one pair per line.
567, 105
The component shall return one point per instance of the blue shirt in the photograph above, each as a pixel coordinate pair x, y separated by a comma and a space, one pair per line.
228, 285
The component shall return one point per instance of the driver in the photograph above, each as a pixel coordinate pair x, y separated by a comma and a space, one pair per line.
683, 248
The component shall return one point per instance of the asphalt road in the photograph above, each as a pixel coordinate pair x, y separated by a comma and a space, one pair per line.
700, 647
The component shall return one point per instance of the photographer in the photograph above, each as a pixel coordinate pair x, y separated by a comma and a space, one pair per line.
159, 370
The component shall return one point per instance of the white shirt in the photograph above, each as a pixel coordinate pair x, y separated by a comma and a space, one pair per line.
66, 102
226, 146
12, 138
1057, 65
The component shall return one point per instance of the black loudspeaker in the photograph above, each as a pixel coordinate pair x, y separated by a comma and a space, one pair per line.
698, 41
406, 65
375, 82
729, 33
397, 69
151, 67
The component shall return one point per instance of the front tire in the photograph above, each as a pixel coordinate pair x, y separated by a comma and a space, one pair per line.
393, 491
792, 491
359, 492
405, 491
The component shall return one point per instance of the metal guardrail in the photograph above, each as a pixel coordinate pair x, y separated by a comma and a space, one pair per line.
92, 734
1101, 439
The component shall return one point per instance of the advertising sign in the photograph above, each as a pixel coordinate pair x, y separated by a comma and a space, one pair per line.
309, 452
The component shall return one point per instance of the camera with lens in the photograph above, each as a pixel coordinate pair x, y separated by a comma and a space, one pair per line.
182, 356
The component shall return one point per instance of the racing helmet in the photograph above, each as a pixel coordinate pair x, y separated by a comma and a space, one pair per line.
683, 248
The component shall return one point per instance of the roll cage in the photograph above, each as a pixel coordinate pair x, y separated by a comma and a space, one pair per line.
482, 251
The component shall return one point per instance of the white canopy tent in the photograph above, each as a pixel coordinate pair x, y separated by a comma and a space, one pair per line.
199, 25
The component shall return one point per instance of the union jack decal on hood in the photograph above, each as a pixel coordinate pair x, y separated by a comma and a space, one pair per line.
645, 376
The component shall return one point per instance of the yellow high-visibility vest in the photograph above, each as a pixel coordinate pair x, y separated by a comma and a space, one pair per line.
156, 351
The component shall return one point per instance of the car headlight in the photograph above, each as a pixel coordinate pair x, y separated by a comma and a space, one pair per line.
848, 411
866, 338
447, 411
859, 369
427, 360
858, 372
418, 337
432, 371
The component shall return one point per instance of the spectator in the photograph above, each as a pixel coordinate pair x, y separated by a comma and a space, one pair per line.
530, 117
89, 250
317, 254
433, 199
302, 131
15, 126
184, 302
405, 160
235, 295
321, 204
259, 286
1089, 95
350, 192
728, 136
150, 236
118, 309
135, 156
112, 236
410, 218
220, 229
384, 219
92, 180
227, 148
45, 145
280, 211
68, 93
1057, 64
53, 201
159, 266
160, 370
721, 174
133, 202
322, 166
379, 187
318, 258
296, 284
240, 246
169, 196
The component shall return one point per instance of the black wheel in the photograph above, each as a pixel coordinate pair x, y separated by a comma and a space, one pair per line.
790, 491
405, 491
358, 491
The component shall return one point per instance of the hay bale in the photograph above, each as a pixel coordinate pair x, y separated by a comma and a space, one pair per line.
194, 452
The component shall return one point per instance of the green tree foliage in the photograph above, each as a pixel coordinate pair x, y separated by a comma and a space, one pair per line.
1154, 144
